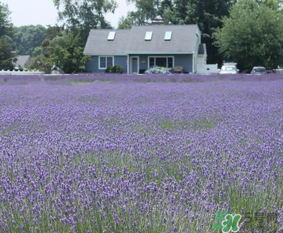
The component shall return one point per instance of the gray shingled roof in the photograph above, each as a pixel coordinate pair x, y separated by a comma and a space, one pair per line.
183, 39
22, 60
97, 43
131, 41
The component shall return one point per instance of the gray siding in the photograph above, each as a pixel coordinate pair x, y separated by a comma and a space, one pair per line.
122, 61
184, 60
93, 65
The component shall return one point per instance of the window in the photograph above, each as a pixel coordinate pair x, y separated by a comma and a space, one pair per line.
111, 35
161, 61
148, 35
168, 35
170, 62
151, 61
104, 62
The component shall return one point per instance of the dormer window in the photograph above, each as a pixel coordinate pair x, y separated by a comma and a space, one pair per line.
148, 36
168, 35
111, 35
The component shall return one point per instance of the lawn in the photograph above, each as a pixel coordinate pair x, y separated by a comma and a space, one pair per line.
150, 153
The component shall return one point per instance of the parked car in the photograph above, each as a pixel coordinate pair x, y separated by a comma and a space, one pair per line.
259, 70
229, 68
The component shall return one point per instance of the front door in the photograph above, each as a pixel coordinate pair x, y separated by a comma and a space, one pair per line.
135, 64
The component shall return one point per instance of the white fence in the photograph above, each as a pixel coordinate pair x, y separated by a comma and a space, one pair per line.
207, 68
13, 72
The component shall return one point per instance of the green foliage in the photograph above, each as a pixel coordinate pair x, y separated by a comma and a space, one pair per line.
6, 27
80, 16
37, 51
253, 35
126, 22
147, 10
114, 69
66, 55
27, 38
6, 32
40, 63
6, 57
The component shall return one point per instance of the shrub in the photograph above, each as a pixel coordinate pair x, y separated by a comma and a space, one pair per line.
114, 69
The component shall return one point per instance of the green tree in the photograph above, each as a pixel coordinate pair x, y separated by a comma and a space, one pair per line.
126, 22
80, 16
147, 11
66, 55
27, 38
7, 58
40, 63
253, 35
6, 27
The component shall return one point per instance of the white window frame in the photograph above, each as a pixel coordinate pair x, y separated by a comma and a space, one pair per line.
111, 35
104, 68
168, 35
148, 36
154, 57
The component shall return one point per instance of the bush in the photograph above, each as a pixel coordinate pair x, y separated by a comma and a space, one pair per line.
114, 69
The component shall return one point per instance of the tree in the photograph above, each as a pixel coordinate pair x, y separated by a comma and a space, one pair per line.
27, 38
253, 35
126, 22
66, 55
7, 58
6, 27
147, 11
80, 16
40, 63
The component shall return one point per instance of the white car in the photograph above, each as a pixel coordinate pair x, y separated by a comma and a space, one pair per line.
229, 68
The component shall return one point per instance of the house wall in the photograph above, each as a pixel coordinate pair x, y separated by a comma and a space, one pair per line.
122, 61
185, 60
92, 66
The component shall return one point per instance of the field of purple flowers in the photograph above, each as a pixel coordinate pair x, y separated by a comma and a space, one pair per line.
118, 153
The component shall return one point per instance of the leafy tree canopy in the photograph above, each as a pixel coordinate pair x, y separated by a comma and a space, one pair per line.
253, 35
80, 16
66, 55
27, 38
7, 58
6, 27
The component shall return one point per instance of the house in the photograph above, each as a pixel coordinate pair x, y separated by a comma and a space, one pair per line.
22, 61
141, 47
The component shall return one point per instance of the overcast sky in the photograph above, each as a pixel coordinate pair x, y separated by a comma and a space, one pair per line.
43, 12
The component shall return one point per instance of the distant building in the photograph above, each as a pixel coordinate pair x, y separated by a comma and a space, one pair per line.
22, 61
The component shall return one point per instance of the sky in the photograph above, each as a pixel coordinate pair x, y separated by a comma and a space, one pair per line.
43, 12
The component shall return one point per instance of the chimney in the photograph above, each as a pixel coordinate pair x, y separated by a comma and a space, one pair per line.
158, 22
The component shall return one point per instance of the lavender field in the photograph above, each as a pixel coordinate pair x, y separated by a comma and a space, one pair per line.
148, 153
